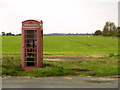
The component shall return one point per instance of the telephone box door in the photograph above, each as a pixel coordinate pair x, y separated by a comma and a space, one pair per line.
30, 47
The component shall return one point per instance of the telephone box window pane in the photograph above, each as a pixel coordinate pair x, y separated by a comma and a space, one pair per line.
31, 59
30, 31
31, 55
30, 45
29, 41
31, 50
30, 36
31, 64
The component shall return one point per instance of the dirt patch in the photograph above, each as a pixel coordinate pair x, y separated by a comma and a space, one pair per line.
79, 70
67, 57
53, 59
71, 57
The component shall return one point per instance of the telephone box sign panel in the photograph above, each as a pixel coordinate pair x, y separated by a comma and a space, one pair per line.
30, 24
32, 44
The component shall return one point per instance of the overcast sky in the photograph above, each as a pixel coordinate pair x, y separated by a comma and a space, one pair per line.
59, 16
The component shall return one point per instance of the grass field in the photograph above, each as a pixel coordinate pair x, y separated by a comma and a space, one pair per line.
66, 45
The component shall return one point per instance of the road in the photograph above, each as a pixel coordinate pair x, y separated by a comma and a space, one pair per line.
60, 82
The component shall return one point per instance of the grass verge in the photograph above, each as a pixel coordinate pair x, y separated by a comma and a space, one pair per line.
100, 66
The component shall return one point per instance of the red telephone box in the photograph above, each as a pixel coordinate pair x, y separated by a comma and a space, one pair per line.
32, 44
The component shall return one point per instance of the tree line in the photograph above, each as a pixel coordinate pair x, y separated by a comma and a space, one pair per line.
50, 34
109, 29
10, 34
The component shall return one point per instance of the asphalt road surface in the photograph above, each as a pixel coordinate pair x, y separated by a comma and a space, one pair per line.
60, 82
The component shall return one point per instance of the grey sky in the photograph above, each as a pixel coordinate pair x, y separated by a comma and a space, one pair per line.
59, 16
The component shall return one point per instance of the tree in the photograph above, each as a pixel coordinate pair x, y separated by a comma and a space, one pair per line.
111, 25
8, 34
118, 31
113, 31
109, 29
97, 32
3, 33
106, 29
18, 34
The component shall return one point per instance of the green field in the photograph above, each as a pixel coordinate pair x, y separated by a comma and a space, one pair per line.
66, 45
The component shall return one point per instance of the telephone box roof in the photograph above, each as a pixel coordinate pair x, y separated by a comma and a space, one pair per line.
37, 20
